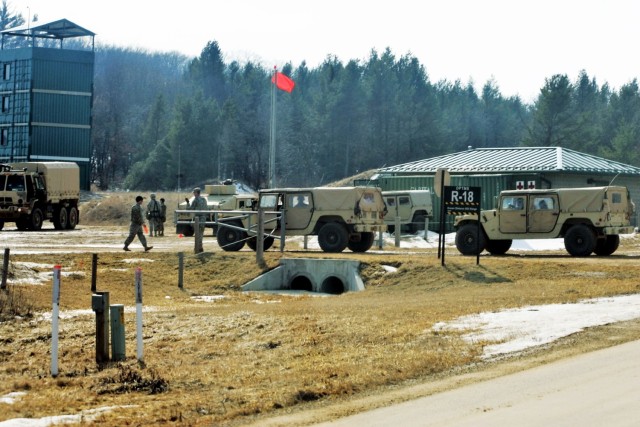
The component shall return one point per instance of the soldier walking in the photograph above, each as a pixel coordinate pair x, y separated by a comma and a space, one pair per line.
135, 228
163, 217
199, 204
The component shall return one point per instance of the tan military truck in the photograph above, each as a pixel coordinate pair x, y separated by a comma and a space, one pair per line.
589, 219
412, 206
223, 196
32, 192
341, 217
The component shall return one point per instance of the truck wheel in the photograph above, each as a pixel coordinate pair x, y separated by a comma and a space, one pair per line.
606, 246
188, 231
230, 239
266, 243
467, 240
362, 245
36, 219
498, 247
60, 219
22, 224
580, 240
333, 237
418, 223
1, 225
73, 218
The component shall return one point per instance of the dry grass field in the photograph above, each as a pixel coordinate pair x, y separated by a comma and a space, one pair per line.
241, 358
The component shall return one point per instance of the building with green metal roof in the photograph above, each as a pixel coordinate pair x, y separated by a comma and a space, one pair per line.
498, 169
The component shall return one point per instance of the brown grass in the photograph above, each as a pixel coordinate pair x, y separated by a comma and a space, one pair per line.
251, 356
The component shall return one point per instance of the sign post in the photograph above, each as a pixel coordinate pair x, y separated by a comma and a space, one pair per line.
462, 201
441, 179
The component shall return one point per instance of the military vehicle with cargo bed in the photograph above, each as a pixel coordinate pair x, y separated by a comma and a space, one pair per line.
341, 217
589, 219
413, 207
32, 192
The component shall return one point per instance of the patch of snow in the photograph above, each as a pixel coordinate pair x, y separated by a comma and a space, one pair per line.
517, 329
82, 417
208, 298
135, 260
389, 268
10, 398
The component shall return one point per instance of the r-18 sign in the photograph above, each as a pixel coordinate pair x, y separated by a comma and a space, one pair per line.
460, 200
462, 194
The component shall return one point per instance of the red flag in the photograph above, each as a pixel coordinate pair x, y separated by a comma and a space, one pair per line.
283, 82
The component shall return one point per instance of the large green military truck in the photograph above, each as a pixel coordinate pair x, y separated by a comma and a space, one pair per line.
589, 219
32, 192
341, 217
223, 196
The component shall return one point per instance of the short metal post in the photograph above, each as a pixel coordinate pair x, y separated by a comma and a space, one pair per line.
138, 283
117, 332
100, 304
305, 242
94, 272
380, 240
180, 269
398, 231
426, 229
198, 237
260, 239
5, 269
54, 320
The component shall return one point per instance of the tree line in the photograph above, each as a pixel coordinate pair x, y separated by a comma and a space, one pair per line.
163, 121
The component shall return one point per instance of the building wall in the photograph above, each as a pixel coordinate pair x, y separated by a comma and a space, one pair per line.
46, 99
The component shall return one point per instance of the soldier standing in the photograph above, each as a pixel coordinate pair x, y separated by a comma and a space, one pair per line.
153, 215
199, 203
135, 228
163, 217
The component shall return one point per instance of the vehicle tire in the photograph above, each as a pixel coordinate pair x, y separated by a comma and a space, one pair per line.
498, 247
362, 245
73, 218
467, 240
333, 237
418, 223
22, 224
608, 245
188, 231
1, 225
266, 243
391, 229
60, 218
36, 219
580, 240
230, 239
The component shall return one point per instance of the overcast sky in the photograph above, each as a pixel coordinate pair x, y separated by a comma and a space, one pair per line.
517, 43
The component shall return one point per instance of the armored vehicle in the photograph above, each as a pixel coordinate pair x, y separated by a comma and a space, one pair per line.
341, 217
223, 196
412, 206
32, 192
589, 219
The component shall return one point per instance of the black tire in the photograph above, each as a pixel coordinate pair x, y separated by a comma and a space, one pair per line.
607, 246
333, 237
498, 247
230, 239
467, 240
580, 240
188, 231
74, 218
418, 223
22, 224
362, 245
266, 243
60, 218
36, 220
390, 229
1, 225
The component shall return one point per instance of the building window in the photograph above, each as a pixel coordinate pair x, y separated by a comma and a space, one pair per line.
6, 73
4, 137
5, 104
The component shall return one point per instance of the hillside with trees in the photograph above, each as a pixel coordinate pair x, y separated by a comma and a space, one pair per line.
163, 121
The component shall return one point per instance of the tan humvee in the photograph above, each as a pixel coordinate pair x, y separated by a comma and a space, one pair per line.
589, 219
341, 217
412, 206
219, 197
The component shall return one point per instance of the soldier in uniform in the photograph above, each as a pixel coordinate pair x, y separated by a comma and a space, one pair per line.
135, 228
163, 217
199, 204
154, 213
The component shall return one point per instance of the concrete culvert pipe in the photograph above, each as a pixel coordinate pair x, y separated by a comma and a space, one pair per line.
301, 283
332, 285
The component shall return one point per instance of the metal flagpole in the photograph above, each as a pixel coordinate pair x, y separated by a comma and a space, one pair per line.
272, 136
